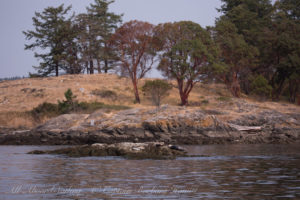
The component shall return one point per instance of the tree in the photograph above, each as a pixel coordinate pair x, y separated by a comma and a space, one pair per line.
261, 87
96, 28
274, 31
237, 55
69, 104
71, 62
156, 91
102, 25
136, 50
291, 9
282, 51
249, 16
51, 35
187, 52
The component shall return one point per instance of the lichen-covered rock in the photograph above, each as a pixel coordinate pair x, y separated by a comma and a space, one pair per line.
169, 124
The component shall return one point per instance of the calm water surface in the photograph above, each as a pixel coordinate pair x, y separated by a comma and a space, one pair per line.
226, 172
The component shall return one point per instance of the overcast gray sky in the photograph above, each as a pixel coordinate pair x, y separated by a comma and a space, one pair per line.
16, 16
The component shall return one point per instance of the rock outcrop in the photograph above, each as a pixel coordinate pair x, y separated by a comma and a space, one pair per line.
169, 124
152, 150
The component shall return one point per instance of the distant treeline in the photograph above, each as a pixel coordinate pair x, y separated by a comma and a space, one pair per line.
12, 78
253, 48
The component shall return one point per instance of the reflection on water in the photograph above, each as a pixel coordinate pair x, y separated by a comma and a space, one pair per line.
227, 171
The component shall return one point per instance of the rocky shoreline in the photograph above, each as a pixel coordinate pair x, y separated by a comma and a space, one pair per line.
168, 124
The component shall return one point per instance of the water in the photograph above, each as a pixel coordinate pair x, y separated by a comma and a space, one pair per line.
227, 172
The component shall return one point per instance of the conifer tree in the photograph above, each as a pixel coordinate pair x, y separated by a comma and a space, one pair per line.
51, 35
96, 27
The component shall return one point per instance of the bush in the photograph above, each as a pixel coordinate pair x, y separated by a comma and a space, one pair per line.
204, 102
70, 104
261, 87
45, 109
156, 90
224, 98
106, 94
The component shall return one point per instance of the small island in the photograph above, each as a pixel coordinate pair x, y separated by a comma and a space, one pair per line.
150, 150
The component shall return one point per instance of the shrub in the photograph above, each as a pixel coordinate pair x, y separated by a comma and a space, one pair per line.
45, 109
70, 104
224, 98
204, 102
109, 94
261, 87
156, 90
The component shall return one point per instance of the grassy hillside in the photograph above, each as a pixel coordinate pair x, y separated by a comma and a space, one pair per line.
19, 96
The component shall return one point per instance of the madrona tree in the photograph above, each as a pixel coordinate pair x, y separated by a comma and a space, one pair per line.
51, 38
186, 54
136, 50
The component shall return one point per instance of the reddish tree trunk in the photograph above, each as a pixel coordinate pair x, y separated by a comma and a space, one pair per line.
183, 93
136, 91
184, 99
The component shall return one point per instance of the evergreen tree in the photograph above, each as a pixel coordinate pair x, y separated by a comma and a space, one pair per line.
238, 56
283, 50
103, 24
274, 31
51, 35
96, 27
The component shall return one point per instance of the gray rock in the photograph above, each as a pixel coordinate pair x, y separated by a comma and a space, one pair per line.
167, 124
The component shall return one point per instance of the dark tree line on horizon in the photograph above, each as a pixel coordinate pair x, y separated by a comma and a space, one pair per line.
254, 47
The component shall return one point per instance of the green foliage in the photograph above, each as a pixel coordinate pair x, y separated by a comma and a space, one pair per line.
237, 55
188, 54
52, 32
68, 105
96, 28
72, 45
261, 87
156, 90
274, 31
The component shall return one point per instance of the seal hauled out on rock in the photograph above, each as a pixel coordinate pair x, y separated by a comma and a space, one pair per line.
178, 148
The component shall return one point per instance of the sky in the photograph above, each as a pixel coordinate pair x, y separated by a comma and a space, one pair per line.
16, 16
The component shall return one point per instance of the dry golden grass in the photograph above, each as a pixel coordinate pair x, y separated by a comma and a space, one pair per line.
19, 96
